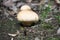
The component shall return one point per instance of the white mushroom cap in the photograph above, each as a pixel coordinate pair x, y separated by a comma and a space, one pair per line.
25, 7
26, 15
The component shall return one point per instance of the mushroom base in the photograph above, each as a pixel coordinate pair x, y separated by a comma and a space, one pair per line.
29, 23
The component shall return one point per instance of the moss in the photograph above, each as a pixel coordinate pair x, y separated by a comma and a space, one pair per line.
53, 38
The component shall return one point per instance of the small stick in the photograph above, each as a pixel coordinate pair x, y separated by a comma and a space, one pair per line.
12, 38
13, 35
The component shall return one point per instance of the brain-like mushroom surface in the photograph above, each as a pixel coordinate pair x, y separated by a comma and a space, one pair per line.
27, 16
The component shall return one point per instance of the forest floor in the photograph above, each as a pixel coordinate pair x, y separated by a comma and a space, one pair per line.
45, 29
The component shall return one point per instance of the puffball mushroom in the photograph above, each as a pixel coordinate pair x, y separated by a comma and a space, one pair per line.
27, 16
